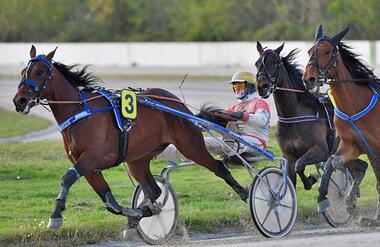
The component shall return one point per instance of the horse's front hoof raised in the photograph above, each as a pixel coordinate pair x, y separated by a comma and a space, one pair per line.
323, 206
55, 223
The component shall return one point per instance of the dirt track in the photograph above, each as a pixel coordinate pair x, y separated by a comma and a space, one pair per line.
347, 237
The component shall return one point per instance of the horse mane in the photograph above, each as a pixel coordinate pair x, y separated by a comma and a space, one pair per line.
294, 72
77, 77
356, 66
295, 75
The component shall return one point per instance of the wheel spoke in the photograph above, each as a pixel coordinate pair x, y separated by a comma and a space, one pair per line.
262, 199
278, 219
285, 206
267, 215
266, 178
337, 187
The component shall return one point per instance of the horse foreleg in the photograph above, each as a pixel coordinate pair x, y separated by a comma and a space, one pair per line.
346, 152
70, 177
316, 154
357, 170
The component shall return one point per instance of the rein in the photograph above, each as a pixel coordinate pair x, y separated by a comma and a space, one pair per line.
221, 115
290, 90
329, 81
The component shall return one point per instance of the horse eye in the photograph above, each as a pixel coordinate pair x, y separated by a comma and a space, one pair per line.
274, 62
39, 72
327, 53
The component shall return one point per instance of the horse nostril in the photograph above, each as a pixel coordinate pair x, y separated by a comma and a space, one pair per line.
22, 102
312, 80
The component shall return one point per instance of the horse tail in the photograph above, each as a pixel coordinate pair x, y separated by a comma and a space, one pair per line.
211, 113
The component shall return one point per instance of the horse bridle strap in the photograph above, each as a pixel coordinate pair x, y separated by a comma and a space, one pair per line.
274, 78
332, 64
32, 85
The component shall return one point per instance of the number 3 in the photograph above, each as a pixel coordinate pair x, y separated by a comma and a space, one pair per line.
128, 104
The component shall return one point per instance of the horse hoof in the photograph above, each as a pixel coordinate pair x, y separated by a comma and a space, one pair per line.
130, 212
323, 206
130, 234
55, 223
367, 222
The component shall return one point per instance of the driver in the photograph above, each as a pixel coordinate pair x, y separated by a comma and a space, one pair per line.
252, 114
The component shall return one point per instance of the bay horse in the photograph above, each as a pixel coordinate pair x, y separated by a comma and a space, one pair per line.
355, 90
92, 144
303, 131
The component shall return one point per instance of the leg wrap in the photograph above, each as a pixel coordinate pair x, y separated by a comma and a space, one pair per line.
111, 204
70, 177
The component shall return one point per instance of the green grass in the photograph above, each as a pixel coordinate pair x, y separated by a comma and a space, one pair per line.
30, 175
14, 124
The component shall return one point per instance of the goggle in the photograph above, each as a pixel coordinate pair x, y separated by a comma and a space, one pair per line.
238, 86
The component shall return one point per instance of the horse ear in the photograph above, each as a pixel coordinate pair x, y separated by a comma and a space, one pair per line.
318, 33
339, 36
259, 48
279, 49
51, 54
32, 51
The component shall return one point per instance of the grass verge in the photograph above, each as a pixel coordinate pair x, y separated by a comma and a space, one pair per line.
30, 175
14, 124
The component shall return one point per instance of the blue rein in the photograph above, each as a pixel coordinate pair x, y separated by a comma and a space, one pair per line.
357, 116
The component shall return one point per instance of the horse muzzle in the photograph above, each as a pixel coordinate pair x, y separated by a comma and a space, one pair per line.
23, 105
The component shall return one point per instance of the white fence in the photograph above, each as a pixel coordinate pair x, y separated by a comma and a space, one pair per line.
170, 54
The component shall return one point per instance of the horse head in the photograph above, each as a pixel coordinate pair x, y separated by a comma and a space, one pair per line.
324, 56
268, 69
35, 83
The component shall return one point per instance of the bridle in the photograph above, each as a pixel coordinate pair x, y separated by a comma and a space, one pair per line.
273, 78
34, 87
331, 65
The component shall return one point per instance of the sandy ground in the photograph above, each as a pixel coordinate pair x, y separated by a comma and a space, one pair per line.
343, 237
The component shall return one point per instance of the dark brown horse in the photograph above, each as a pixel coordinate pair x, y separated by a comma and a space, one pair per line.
303, 131
353, 86
92, 144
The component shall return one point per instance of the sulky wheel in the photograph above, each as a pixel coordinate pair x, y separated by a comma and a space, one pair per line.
273, 216
339, 187
158, 228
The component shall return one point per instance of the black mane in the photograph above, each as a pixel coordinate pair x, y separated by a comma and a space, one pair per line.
357, 68
295, 75
294, 72
77, 77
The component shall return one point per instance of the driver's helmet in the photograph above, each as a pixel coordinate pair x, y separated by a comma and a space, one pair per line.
243, 84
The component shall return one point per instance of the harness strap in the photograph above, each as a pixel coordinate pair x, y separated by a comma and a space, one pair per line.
123, 141
83, 114
357, 116
298, 119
